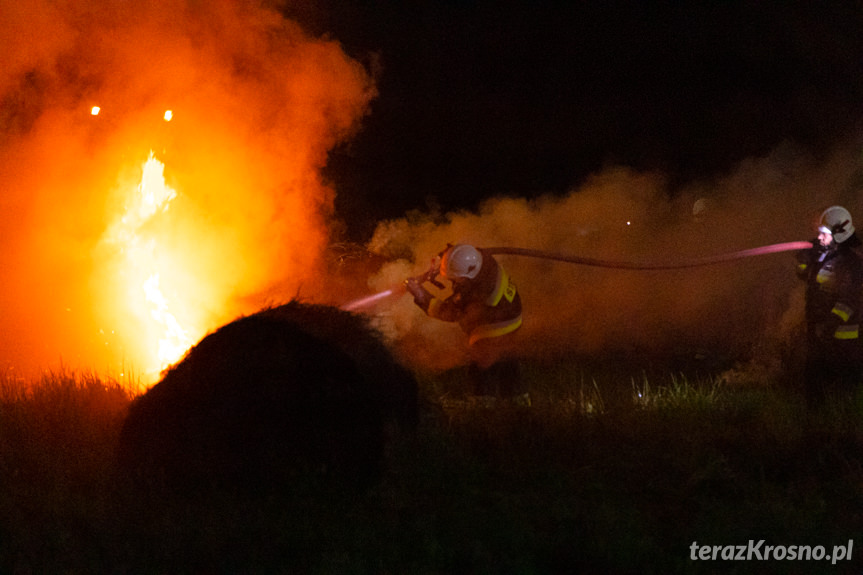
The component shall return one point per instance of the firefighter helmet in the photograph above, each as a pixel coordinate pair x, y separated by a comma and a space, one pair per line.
837, 221
461, 261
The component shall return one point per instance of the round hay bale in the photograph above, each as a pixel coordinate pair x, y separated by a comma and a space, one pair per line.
292, 392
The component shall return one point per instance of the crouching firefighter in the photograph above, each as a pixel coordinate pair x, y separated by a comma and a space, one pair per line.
833, 272
487, 306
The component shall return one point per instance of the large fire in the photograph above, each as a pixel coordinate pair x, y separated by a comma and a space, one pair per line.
161, 167
154, 290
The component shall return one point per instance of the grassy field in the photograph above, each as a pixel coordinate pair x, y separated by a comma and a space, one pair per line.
607, 472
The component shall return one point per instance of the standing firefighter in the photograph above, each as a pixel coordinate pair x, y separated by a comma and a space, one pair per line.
487, 306
833, 271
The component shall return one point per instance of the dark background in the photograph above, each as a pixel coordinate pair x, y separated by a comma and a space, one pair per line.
481, 99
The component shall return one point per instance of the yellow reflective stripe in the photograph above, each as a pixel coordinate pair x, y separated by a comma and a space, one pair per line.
842, 310
847, 332
499, 288
434, 306
802, 267
494, 330
823, 276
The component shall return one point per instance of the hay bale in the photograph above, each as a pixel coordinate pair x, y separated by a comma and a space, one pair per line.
295, 391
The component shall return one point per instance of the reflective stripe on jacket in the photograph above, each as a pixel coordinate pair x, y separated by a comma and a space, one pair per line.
834, 287
486, 306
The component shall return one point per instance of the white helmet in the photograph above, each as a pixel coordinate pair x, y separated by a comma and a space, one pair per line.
461, 261
837, 221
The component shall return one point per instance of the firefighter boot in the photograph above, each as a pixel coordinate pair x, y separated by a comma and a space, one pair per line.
500, 381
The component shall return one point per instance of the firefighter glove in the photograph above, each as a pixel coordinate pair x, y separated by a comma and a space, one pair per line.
421, 296
826, 330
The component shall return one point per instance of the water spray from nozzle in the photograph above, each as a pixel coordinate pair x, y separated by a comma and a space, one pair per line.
430, 276
367, 301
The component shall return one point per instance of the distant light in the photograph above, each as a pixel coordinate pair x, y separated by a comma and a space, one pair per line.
168, 115
627, 222
95, 110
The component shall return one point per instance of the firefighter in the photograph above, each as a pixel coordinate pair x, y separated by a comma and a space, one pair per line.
487, 306
833, 272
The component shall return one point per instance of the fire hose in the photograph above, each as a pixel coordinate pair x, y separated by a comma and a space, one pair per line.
431, 274
690, 263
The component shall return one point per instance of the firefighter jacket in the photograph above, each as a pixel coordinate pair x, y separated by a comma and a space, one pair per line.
488, 305
834, 286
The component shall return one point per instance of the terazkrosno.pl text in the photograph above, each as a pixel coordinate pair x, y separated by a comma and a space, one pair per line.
760, 551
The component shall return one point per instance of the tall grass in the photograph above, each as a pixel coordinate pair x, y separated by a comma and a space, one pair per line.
607, 472
57, 441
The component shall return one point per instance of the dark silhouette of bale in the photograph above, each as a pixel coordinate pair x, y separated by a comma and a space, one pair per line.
295, 392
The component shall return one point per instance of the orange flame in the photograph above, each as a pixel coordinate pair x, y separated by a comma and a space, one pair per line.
152, 295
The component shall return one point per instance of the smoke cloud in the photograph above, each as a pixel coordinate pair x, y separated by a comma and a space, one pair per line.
728, 309
256, 103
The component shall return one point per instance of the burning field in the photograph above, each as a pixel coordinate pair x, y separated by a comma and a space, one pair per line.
161, 167
163, 196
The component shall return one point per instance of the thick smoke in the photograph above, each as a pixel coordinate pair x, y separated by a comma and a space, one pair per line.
256, 104
732, 309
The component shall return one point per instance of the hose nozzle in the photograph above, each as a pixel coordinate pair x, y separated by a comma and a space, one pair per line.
431, 274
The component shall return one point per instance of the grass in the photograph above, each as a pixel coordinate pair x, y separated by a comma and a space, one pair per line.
607, 472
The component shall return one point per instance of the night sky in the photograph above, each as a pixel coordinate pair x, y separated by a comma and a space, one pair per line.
480, 99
